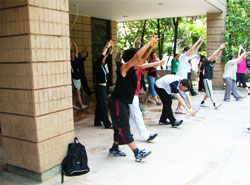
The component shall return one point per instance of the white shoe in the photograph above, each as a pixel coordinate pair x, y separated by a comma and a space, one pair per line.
217, 105
84, 106
204, 105
76, 107
180, 111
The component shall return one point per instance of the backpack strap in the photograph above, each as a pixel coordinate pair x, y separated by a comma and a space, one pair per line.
64, 163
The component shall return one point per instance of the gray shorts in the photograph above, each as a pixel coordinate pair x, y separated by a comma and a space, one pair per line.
76, 83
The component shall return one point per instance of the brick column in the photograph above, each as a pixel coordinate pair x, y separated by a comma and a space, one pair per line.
35, 85
215, 37
114, 38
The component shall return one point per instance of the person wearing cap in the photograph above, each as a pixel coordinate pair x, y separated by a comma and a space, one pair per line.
123, 95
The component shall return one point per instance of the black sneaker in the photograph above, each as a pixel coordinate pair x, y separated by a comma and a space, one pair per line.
164, 123
116, 153
177, 123
151, 137
141, 155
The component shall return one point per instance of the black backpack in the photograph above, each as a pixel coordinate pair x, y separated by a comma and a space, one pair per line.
76, 161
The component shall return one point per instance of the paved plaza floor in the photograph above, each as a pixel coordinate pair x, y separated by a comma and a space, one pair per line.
211, 148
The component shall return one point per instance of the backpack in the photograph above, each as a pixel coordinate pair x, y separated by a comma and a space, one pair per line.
76, 160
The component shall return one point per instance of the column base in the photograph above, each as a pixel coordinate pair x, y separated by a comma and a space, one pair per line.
39, 177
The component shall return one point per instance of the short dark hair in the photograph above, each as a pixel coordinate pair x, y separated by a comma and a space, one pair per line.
151, 54
186, 49
185, 83
202, 57
129, 53
232, 55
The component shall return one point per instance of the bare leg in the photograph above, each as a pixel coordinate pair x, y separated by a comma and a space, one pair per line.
74, 97
78, 96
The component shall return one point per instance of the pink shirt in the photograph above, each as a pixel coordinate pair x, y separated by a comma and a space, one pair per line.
242, 66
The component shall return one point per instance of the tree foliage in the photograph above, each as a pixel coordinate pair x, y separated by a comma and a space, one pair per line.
173, 33
237, 26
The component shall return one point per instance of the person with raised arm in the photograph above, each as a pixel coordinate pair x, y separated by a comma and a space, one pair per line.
184, 67
76, 77
123, 96
208, 76
229, 77
242, 70
101, 111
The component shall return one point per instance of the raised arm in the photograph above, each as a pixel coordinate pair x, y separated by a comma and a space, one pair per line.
140, 56
199, 45
137, 39
216, 53
194, 47
111, 47
239, 51
153, 64
239, 59
106, 47
75, 46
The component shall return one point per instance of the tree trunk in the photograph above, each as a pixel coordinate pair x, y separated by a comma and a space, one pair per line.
160, 40
143, 32
176, 23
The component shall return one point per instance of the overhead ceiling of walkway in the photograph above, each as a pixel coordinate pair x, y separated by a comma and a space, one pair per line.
125, 10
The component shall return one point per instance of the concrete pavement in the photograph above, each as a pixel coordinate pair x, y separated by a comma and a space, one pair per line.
211, 148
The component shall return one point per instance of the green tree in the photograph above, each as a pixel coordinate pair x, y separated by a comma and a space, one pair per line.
237, 27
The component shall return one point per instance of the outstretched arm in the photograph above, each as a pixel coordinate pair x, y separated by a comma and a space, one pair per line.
137, 39
182, 102
106, 47
153, 64
140, 56
195, 47
216, 53
75, 46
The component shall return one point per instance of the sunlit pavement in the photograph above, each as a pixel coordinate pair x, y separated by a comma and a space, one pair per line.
211, 148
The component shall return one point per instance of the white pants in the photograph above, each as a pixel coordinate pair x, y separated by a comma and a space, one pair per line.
135, 118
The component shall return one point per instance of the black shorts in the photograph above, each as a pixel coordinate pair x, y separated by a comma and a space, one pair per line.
120, 119
241, 78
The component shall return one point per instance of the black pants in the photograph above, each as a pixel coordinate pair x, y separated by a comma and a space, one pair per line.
201, 82
120, 118
143, 85
101, 111
166, 99
85, 85
190, 78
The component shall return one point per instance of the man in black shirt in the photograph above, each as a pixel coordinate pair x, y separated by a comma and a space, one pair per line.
123, 96
84, 80
208, 76
76, 81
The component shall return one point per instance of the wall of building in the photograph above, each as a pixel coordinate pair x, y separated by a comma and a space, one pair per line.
35, 83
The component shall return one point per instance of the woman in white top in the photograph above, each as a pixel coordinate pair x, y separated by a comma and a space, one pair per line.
229, 77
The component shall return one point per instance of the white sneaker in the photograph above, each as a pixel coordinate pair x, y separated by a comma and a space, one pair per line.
180, 111
84, 106
204, 105
217, 105
76, 107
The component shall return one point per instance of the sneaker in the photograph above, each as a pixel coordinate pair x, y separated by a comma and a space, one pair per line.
248, 128
158, 103
164, 123
141, 155
116, 153
151, 137
194, 93
144, 112
149, 102
176, 123
248, 93
76, 107
84, 107
217, 105
240, 98
227, 100
204, 105
180, 111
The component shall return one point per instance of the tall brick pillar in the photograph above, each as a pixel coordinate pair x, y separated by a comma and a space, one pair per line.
114, 38
35, 85
215, 37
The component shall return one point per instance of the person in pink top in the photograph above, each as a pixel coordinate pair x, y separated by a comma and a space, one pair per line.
241, 70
